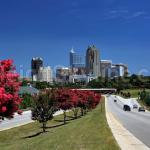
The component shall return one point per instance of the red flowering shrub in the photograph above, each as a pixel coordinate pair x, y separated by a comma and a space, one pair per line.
64, 100
49, 101
9, 87
75, 100
87, 100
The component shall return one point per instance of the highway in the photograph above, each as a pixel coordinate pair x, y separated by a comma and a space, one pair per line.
138, 123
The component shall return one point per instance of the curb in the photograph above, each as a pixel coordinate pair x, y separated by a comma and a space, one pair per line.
125, 139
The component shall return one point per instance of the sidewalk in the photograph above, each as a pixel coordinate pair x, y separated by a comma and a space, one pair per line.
20, 120
125, 139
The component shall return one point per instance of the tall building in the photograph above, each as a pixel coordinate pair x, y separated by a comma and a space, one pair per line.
105, 68
76, 60
119, 70
77, 63
124, 68
45, 74
93, 61
62, 74
36, 63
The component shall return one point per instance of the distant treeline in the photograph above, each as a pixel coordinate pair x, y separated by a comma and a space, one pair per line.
122, 83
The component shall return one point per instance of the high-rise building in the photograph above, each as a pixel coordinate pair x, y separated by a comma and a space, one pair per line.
124, 68
36, 63
62, 74
105, 68
93, 61
45, 74
76, 60
119, 70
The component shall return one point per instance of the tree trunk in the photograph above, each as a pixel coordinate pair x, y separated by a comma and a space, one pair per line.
75, 113
64, 117
85, 111
82, 113
44, 126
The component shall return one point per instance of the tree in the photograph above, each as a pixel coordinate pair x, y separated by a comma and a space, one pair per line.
87, 100
9, 87
147, 99
27, 101
41, 85
44, 106
75, 101
64, 101
143, 95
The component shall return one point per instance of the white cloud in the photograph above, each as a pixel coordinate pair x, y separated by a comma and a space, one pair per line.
138, 13
125, 14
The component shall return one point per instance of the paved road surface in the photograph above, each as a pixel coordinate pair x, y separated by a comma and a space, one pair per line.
19, 120
138, 123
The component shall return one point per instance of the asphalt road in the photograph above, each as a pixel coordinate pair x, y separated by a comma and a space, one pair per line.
138, 123
19, 120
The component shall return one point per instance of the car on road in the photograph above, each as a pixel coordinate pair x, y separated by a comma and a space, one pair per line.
126, 108
115, 100
141, 109
135, 106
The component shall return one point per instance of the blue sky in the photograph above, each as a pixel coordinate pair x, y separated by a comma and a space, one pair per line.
120, 29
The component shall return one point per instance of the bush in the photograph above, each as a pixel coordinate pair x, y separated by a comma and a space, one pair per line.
9, 87
49, 101
44, 106
147, 99
27, 101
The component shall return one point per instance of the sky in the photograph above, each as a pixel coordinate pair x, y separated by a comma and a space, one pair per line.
120, 29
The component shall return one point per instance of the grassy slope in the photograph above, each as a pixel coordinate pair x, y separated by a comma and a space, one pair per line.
134, 92
90, 132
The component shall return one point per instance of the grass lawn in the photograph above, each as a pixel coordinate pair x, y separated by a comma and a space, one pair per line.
90, 132
134, 92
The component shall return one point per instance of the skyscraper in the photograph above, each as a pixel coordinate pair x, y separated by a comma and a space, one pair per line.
62, 74
105, 68
93, 61
45, 74
119, 70
36, 63
76, 60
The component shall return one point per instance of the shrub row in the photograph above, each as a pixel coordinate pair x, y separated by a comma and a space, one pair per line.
47, 102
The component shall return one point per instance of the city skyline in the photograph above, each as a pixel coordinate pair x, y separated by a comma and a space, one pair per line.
27, 72
78, 70
120, 29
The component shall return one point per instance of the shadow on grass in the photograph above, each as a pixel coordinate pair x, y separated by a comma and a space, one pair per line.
68, 120
59, 120
56, 126
34, 135
70, 117
39, 133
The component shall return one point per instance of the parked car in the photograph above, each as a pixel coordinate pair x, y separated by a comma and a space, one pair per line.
141, 109
135, 106
126, 108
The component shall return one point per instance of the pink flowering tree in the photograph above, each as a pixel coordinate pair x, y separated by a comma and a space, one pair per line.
64, 101
9, 87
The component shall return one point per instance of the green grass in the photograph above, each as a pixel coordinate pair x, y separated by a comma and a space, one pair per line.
90, 132
134, 92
